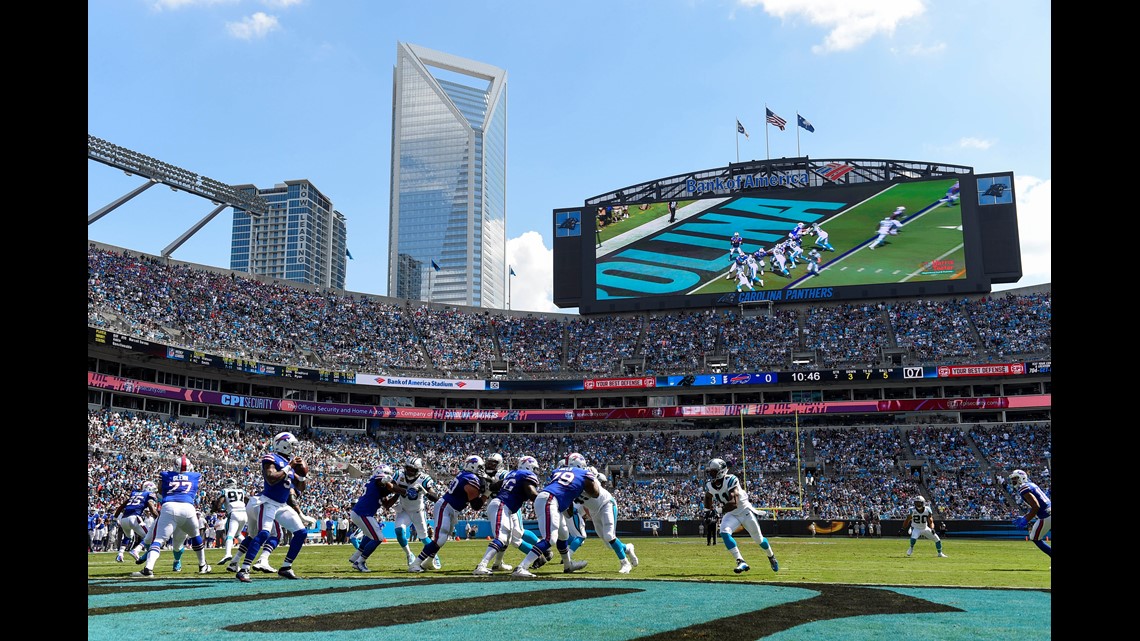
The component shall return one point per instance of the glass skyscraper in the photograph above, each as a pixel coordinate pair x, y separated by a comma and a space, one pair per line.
449, 180
302, 238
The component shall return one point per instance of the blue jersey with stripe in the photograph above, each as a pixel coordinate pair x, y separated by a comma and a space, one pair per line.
179, 487
136, 503
369, 503
567, 483
279, 492
511, 494
1045, 506
456, 494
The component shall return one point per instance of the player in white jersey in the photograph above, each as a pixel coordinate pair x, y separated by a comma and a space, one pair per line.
821, 237
794, 251
726, 491
813, 261
921, 522
778, 260
232, 500
744, 279
756, 264
888, 226
602, 511
410, 510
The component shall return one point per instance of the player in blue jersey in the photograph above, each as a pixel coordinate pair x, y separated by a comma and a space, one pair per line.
231, 500
566, 484
512, 490
465, 489
1039, 518
133, 519
179, 490
415, 486
280, 475
379, 491
952, 195
726, 490
735, 244
495, 472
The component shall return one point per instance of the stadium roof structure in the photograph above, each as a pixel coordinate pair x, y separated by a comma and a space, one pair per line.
156, 171
774, 174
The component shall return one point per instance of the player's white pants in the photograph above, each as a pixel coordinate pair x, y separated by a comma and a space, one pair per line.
417, 518
917, 532
505, 525
741, 516
369, 525
551, 525
1040, 527
261, 512
445, 519
742, 280
780, 261
133, 524
175, 518
604, 518
235, 522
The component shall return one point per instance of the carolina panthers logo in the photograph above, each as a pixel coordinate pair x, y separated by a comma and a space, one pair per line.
569, 223
727, 299
997, 190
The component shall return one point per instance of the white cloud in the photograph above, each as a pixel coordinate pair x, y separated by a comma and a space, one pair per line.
1035, 230
532, 288
281, 4
975, 143
851, 22
174, 5
256, 26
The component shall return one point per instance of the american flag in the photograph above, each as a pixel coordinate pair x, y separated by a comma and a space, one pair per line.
774, 119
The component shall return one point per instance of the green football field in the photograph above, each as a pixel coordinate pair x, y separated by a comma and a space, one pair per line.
928, 248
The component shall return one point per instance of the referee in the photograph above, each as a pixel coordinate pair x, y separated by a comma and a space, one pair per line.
710, 517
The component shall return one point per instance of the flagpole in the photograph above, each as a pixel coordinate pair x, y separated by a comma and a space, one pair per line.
431, 279
767, 152
510, 281
738, 142
797, 133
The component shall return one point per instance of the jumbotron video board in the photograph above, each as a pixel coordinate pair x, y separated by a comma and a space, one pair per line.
784, 231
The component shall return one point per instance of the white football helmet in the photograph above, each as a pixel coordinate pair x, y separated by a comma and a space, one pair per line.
528, 463
229, 482
284, 443
716, 468
1018, 478
149, 486
473, 464
561, 463
919, 502
183, 464
576, 460
383, 472
496, 459
413, 466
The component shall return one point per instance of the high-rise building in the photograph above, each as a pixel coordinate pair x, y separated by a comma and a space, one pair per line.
449, 180
302, 238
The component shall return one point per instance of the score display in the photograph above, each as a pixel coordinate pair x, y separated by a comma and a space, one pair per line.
871, 374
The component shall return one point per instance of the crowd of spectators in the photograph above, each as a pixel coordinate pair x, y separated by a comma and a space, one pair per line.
229, 315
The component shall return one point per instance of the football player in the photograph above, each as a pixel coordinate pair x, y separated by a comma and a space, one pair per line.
952, 195
465, 489
232, 501
1039, 518
725, 490
512, 490
921, 522
602, 511
888, 226
132, 518
179, 489
821, 237
529, 539
415, 486
566, 484
280, 474
813, 260
735, 243
379, 490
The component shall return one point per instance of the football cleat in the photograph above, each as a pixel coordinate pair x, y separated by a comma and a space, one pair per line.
287, 572
411, 558
626, 566
574, 566
774, 563
941, 555
145, 573
361, 566
119, 559
741, 566
415, 567
226, 559
178, 565
135, 556
910, 551
539, 562
523, 572
505, 567
140, 559
481, 571
436, 563
629, 553
204, 569
263, 566
233, 566
243, 576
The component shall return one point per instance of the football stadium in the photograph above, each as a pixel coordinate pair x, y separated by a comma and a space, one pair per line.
791, 406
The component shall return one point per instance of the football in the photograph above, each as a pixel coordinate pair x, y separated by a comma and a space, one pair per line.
299, 466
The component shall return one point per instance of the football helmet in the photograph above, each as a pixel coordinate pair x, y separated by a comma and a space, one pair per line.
528, 463
149, 486
183, 464
716, 468
919, 502
383, 472
473, 464
576, 460
1018, 478
413, 466
284, 443
494, 461
229, 482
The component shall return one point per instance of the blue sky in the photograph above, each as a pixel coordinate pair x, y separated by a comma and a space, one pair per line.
601, 95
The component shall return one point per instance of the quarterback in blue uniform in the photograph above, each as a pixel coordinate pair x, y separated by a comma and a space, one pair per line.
272, 505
